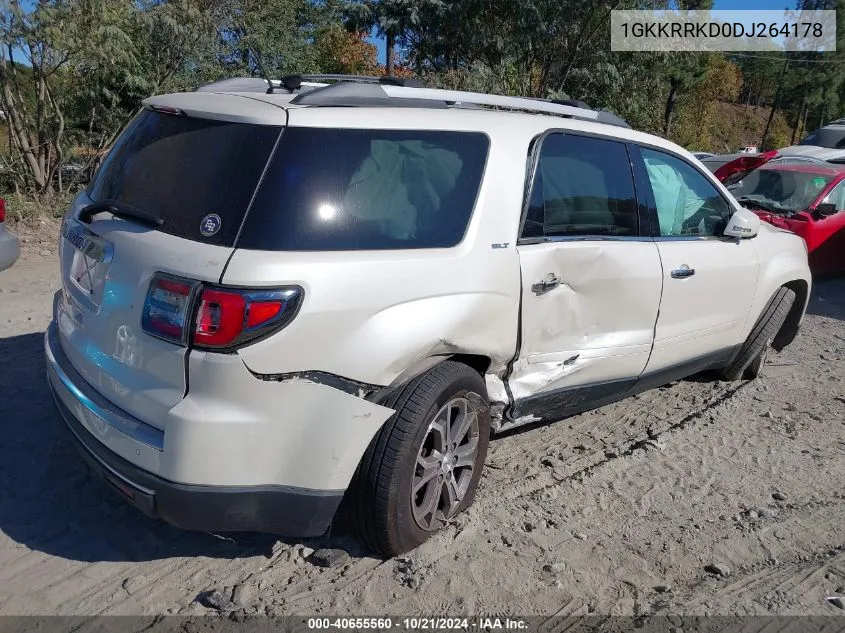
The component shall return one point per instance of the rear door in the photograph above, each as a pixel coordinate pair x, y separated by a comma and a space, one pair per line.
197, 176
591, 282
709, 280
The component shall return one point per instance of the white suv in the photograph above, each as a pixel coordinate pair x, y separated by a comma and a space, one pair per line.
277, 300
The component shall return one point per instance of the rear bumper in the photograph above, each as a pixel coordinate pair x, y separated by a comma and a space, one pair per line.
289, 510
273, 509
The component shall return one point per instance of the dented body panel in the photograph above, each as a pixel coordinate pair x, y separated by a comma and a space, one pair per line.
231, 430
597, 325
378, 317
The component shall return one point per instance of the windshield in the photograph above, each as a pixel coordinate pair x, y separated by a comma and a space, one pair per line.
826, 137
781, 190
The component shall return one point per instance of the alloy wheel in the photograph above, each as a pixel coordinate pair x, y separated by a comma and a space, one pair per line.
445, 464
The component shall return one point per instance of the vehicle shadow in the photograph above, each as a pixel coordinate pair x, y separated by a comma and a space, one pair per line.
50, 502
828, 298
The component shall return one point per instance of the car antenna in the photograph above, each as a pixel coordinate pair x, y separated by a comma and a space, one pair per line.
263, 70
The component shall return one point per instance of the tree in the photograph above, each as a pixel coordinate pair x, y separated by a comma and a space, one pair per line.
339, 51
91, 61
391, 19
36, 125
683, 70
722, 82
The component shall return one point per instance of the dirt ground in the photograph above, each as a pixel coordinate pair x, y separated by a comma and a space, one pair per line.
618, 511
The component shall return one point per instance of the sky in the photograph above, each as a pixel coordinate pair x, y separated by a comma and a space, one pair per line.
777, 5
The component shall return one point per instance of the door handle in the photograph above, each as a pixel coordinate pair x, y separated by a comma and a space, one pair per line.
551, 282
683, 272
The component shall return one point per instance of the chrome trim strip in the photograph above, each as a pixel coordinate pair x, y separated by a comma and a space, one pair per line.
527, 241
691, 238
98, 406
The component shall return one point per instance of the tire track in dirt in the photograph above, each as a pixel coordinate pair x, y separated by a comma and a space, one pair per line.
631, 500
621, 435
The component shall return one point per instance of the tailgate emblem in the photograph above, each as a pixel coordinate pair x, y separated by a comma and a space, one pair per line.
210, 224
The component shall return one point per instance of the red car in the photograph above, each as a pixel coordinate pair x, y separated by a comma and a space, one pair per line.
807, 198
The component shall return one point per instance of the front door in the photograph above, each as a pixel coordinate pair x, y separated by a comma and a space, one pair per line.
590, 283
709, 280
826, 236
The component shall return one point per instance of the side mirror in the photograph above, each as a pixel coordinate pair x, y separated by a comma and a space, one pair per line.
825, 210
743, 224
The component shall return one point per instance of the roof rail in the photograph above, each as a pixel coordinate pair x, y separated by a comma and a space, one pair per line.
292, 83
348, 93
365, 90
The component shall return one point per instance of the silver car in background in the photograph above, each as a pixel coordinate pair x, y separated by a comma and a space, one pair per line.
10, 247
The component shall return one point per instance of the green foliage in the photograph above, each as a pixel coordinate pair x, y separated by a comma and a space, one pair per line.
720, 81
339, 51
74, 71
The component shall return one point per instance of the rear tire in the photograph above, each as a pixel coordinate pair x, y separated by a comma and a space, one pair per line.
411, 452
752, 355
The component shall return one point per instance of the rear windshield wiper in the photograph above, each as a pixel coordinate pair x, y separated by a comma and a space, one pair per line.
120, 210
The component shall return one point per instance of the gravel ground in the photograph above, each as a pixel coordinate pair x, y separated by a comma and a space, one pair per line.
701, 497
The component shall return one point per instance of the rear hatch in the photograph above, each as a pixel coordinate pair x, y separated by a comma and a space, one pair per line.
169, 198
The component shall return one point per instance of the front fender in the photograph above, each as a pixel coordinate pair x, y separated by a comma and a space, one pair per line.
783, 262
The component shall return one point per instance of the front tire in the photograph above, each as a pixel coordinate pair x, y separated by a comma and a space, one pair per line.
423, 467
752, 355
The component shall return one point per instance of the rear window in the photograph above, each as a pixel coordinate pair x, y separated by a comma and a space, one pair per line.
342, 189
186, 169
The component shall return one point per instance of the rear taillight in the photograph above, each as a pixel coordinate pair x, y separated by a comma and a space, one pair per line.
167, 308
2, 210
220, 318
216, 318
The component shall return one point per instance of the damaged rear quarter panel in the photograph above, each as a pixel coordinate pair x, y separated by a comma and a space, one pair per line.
369, 321
372, 316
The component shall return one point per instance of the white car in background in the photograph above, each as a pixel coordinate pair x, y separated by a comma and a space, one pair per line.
276, 301
827, 143
10, 248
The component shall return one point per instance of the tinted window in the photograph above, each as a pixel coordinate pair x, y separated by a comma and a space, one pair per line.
582, 186
687, 203
781, 189
826, 137
342, 189
183, 169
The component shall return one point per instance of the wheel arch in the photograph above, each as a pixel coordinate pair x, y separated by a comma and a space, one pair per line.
789, 329
479, 362
783, 263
